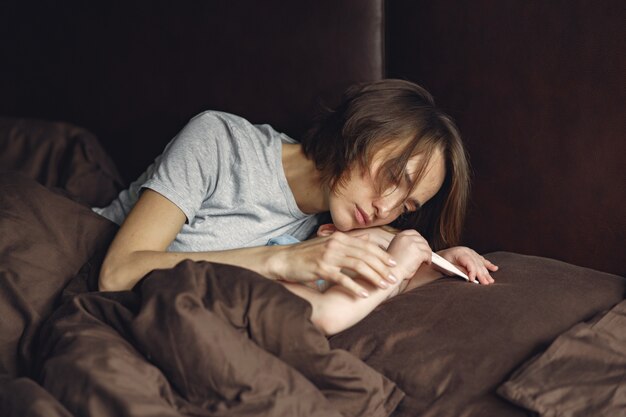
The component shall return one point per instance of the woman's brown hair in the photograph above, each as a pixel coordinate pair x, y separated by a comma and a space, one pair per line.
373, 115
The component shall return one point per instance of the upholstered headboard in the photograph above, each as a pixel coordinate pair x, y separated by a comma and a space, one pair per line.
134, 72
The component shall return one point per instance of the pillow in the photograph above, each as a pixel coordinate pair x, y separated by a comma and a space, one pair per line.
449, 344
583, 373
45, 240
59, 155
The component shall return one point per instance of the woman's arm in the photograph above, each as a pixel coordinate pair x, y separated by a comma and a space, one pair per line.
141, 243
140, 246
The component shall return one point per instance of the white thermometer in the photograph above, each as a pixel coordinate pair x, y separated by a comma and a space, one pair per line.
447, 266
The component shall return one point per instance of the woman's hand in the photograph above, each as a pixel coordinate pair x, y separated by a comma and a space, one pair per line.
334, 258
475, 265
410, 250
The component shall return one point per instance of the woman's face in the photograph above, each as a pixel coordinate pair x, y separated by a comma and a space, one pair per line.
357, 204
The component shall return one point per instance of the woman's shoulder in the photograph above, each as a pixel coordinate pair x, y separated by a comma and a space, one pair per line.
239, 125
212, 130
210, 115
210, 120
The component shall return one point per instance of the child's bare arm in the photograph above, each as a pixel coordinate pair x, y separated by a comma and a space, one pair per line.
336, 309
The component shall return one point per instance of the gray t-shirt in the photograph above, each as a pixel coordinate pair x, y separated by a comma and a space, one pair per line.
226, 175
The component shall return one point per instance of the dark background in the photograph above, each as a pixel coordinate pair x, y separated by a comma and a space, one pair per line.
135, 72
538, 91
536, 87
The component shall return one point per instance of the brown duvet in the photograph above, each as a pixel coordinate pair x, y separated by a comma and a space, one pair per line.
202, 339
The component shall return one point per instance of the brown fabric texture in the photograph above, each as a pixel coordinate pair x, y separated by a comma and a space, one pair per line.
449, 344
25, 398
46, 239
583, 373
59, 155
207, 340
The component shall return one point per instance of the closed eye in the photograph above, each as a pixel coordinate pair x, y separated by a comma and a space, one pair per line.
410, 206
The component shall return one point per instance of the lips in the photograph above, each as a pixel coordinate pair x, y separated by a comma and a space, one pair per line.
361, 217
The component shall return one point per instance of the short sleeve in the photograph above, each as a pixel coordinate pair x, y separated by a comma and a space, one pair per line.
188, 170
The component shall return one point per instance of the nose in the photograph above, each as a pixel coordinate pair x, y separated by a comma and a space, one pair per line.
386, 206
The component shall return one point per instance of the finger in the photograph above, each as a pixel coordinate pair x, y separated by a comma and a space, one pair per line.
491, 266
366, 272
484, 277
382, 240
348, 283
354, 258
476, 271
486, 261
483, 273
472, 271
371, 255
367, 248
488, 266
476, 261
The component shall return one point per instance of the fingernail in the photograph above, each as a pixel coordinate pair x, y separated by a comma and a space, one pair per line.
392, 278
392, 262
364, 294
383, 284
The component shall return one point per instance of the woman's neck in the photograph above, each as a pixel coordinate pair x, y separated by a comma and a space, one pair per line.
304, 180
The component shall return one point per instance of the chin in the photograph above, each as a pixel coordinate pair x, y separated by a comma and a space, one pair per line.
342, 223
344, 228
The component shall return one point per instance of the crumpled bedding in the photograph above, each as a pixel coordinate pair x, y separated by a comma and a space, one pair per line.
59, 155
200, 339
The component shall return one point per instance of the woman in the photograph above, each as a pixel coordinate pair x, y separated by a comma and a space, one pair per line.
223, 187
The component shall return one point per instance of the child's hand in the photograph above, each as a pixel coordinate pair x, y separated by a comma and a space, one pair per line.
410, 250
476, 266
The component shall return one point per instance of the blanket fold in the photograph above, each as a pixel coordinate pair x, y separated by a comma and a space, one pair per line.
202, 339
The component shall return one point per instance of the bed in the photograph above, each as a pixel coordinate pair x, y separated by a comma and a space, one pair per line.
94, 92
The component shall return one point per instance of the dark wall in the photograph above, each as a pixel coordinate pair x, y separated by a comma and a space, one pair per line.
135, 72
538, 91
